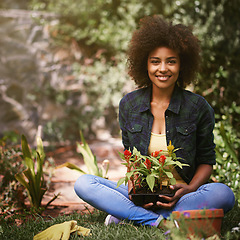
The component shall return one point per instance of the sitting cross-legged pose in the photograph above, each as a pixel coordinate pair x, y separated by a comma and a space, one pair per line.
163, 59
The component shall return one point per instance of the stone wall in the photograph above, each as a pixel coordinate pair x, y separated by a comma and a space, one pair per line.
29, 63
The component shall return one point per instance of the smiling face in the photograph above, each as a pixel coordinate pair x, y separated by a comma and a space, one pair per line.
163, 67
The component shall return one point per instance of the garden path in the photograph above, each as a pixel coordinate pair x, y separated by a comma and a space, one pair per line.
63, 179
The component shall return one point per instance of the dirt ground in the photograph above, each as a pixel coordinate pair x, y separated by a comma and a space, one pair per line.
63, 179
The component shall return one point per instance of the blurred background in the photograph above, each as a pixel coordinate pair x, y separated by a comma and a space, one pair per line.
63, 67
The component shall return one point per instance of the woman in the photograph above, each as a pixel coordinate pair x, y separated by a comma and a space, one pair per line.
163, 59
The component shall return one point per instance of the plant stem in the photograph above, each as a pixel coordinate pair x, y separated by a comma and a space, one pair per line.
133, 184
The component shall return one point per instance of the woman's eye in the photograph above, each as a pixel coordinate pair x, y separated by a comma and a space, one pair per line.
155, 61
172, 62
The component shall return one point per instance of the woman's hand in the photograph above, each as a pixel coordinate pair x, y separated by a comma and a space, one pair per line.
201, 176
169, 202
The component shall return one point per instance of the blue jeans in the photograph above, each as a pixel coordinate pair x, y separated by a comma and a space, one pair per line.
103, 195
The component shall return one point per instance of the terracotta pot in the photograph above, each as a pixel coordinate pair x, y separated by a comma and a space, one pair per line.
202, 222
143, 196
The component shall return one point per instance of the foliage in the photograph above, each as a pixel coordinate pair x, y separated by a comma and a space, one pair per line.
103, 85
150, 171
83, 101
89, 160
11, 192
103, 25
33, 177
217, 24
228, 166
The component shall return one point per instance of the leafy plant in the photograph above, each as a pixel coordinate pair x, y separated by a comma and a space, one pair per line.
150, 171
11, 192
228, 165
89, 160
33, 177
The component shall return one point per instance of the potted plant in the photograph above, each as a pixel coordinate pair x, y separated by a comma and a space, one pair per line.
150, 176
200, 223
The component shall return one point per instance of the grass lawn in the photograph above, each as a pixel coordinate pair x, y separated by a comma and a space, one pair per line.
9, 230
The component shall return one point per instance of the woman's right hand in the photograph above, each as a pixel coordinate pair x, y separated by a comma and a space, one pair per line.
148, 205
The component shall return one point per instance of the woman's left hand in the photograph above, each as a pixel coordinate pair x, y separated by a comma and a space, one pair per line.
201, 176
181, 190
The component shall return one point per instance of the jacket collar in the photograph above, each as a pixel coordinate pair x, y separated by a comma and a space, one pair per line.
144, 102
176, 100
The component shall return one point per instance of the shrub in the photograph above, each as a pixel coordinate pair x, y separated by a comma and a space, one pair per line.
227, 168
32, 178
11, 192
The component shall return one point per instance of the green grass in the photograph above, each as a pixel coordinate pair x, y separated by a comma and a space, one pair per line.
94, 221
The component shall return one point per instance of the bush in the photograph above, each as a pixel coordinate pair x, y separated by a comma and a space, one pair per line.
11, 192
227, 168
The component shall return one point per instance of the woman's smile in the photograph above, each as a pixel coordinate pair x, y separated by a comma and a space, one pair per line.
163, 77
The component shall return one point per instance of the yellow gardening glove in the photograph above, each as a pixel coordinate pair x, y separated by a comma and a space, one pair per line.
61, 231
81, 230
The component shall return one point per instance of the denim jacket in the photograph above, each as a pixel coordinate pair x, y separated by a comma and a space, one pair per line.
189, 125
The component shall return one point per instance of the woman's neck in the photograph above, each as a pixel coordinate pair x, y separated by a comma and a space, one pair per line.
161, 95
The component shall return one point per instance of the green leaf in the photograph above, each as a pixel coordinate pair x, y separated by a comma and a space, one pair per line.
218, 156
121, 156
179, 164
120, 181
71, 166
29, 164
150, 181
39, 173
129, 174
173, 181
169, 174
88, 157
20, 177
136, 152
27, 154
33, 187
228, 144
40, 149
25, 148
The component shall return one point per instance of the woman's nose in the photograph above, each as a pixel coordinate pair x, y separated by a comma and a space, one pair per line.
163, 67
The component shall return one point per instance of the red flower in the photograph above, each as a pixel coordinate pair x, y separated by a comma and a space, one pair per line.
156, 153
127, 154
148, 163
162, 159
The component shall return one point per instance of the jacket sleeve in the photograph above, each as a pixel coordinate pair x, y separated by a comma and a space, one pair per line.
122, 120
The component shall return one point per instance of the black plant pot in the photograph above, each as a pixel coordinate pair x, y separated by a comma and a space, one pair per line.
144, 196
